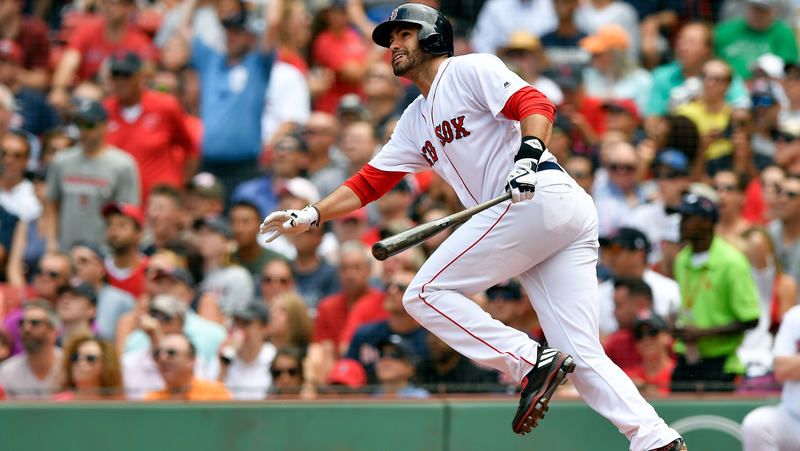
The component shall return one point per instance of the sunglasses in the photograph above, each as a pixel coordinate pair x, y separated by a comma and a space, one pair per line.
161, 316
169, 352
277, 372
50, 274
83, 125
286, 148
32, 322
787, 193
14, 155
577, 175
501, 295
762, 102
393, 354
650, 332
275, 279
401, 288
121, 75
621, 167
728, 188
668, 175
89, 358
779, 136
716, 78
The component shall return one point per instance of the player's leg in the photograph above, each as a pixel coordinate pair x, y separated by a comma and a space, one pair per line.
770, 428
563, 291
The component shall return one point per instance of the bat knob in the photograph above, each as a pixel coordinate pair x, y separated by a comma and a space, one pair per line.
379, 251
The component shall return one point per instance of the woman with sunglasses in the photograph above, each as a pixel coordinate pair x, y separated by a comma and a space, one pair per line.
287, 371
92, 370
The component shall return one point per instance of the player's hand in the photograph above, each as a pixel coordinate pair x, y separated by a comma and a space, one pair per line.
521, 183
289, 222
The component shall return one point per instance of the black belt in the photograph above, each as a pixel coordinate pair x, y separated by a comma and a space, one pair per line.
549, 165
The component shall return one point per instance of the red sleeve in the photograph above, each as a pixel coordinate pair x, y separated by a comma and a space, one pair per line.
527, 101
370, 183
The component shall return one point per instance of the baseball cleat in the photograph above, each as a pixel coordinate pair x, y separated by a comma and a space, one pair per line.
552, 367
676, 445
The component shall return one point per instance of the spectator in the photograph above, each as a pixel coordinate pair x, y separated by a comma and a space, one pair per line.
76, 307
730, 188
287, 103
175, 280
276, 278
785, 230
6, 342
93, 43
83, 179
287, 371
295, 34
591, 16
777, 293
622, 117
347, 375
678, 82
363, 345
766, 109
381, 90
787, 148
232, 285
246, 358
791, 86
245, 221
585, 114
30, 375
125, 265
507, 304
289, 324
338, 47
8, 105
321, 133
17, 195
175, 357
30, 33
446, 371
92, 370
37, 117
776, 427
498, 19
233, 83
741, 41
148, 125
771, 179
658, 19
721, 302
616, 199
612, 73
314, 276
165, 218
654, 374
631, 295
351, 226
561, 45
396, 369
580, 169
358, 145
205, 196
393, 208
112, 302
525, 52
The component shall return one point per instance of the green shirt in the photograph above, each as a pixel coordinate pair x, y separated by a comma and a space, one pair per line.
740, 45
717, 293
255, 266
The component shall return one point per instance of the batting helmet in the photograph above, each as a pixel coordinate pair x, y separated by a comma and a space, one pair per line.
435, 36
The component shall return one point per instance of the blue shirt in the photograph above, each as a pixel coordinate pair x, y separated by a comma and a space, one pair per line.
37, 116
231, 102
8, 223
258, 192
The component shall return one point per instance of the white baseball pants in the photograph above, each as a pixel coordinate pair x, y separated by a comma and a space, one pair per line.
550, 242
770, 428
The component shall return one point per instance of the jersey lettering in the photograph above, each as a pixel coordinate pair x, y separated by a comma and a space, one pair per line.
445, 132
458, 123
439, 135
429, 153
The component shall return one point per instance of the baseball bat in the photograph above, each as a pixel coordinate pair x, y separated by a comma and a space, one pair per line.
395, 244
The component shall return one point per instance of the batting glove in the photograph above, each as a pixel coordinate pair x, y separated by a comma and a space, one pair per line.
522, 180
290, 221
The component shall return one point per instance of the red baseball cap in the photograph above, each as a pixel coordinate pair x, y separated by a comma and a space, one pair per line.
129, 210
348, 372
623, 106
11, 51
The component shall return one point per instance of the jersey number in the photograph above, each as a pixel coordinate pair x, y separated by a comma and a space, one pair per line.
429, 153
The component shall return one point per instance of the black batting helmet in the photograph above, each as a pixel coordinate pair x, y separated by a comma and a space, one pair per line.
436, 35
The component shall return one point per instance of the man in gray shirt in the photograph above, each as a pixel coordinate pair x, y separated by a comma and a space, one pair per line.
785, 231
84, 178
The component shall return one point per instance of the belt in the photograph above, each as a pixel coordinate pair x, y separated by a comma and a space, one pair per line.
549, 165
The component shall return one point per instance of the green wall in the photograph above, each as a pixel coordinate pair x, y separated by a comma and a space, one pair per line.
346, 426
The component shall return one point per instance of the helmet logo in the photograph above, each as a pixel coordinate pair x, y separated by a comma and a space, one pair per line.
393, 16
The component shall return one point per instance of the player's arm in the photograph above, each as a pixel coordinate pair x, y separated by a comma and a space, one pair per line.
787, 368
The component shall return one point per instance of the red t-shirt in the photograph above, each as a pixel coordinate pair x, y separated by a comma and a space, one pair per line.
334, 52
754, 206
35, 45
134, 283
592, 110
94, 47
620, 347
152, 139
368, 309
333, 314
662, 380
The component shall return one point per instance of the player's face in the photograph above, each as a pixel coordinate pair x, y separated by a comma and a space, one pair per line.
406, 52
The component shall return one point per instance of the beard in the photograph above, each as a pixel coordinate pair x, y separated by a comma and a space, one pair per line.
413, 60
32, 344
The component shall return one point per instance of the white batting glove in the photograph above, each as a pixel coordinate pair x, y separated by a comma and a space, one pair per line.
290, 222
522, 180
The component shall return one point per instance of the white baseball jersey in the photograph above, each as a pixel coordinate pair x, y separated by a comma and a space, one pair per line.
459, 131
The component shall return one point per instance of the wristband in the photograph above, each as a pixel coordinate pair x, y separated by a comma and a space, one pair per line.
532, 148
319, 216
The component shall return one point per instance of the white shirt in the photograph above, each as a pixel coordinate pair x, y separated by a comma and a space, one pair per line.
666, 298
21, 201
19, 381
787, 343
140, 373
499, 19
250, 381
589, 19
549, 88
287, 99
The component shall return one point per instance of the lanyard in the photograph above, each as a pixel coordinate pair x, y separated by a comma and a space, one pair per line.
694, 290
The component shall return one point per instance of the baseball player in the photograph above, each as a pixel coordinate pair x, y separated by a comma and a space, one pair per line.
484, 130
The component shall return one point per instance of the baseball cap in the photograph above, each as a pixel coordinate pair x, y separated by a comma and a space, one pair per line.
673, 159
351, 103
507, 289
11, 51
207, 185
762, 3
90, 112
124, 62
92, 247
567, 76
125, 209
300, 188
80, 288
695, 205
522, 40
623, 106
256, 309
627, 238
216, 224
168, 305
348, 372
177, 274
301, 142
771, 64
789, 130
402, 346
236, 20
608, 37
647, 317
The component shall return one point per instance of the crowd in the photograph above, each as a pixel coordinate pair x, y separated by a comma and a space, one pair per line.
144, 142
